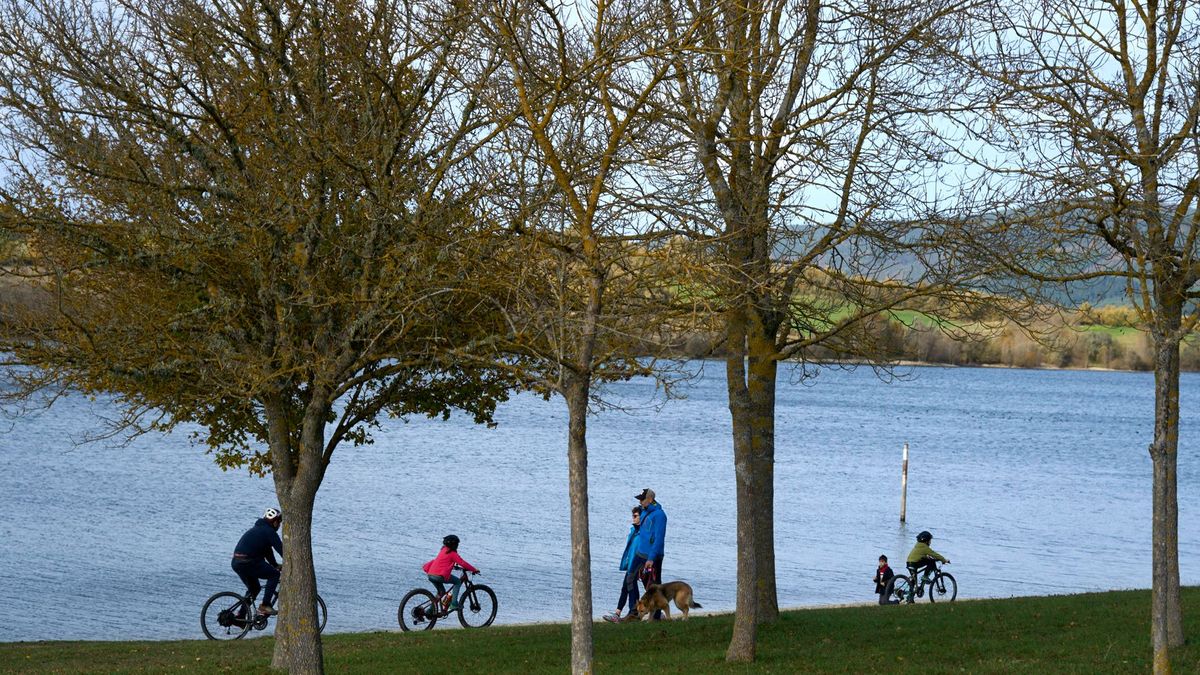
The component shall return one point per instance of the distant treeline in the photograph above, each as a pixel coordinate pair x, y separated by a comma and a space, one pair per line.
1091, 337
1105, 337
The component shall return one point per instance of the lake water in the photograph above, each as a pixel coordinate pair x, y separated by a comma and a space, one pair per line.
1033, 482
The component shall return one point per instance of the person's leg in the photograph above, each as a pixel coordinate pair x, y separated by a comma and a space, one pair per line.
885, 594
658, 580
927, 567
246, 574
631, 581
616, 616
252, 586
913, 569
439, 583
631, 586
268, 572
454, 591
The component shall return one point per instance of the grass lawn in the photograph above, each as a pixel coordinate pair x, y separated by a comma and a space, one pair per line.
1090, 633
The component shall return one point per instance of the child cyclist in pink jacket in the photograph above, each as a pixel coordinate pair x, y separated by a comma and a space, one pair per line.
440, 569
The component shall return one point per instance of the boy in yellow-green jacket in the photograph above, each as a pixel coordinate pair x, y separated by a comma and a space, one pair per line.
922, 558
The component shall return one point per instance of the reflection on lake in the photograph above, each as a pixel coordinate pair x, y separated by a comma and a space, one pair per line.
1033, 482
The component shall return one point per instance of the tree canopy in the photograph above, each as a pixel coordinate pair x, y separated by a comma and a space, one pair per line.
249, 216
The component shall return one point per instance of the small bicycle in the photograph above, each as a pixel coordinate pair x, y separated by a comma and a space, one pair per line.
941, 586
229, 616
420, 609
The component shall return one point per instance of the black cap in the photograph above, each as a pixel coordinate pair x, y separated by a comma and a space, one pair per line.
642, 495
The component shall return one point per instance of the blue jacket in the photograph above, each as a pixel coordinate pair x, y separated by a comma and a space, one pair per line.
627, 556
258, 541
654, 531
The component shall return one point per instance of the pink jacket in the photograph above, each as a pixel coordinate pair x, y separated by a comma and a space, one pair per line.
444, 563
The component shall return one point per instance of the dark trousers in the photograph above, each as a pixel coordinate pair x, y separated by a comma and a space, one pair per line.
926, 565
657, 580
631, 580
629, 588
250, 571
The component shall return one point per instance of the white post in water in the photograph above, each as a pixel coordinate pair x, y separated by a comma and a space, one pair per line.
904, 484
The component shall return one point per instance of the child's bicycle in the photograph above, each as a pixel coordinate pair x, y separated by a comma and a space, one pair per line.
229, 616
421, 609
940, 585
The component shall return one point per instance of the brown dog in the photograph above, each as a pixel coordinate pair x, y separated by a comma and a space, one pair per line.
659, 596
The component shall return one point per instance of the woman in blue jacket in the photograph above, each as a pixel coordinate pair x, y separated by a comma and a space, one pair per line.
629, 589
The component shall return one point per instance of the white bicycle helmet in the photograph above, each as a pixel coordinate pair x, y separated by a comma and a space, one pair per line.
272, 513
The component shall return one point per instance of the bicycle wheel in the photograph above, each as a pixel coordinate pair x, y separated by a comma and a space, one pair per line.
477, 607
943, 588
226, 616
417, 610
898, 588
322, 615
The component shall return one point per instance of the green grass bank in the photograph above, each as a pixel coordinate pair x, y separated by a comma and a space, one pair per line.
1089, 633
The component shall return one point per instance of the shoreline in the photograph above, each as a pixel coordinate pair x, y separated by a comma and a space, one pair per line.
596, 621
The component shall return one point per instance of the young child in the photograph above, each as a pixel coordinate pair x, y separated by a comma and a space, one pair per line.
882, 575
922, 557
629, 589
440, 569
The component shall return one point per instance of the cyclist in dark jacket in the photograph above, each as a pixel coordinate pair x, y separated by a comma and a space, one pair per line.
254, 558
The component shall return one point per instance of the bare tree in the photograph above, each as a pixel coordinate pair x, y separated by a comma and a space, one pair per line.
250, 216
807, 124
578, 78
1092, 123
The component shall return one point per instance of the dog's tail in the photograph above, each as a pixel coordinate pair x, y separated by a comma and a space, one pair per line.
696, 604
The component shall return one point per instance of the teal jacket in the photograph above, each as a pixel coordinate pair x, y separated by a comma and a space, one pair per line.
627, 556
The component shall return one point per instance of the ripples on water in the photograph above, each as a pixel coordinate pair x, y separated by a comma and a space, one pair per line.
1033, 482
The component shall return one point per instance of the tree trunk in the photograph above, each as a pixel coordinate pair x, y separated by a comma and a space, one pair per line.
744, 644
761, 385
297, 475
298, 648
581, 554
1175, 635
1159, 603
1166, 626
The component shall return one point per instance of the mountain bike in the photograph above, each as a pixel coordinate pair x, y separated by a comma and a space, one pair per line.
420, 609
229, 616
940, 585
